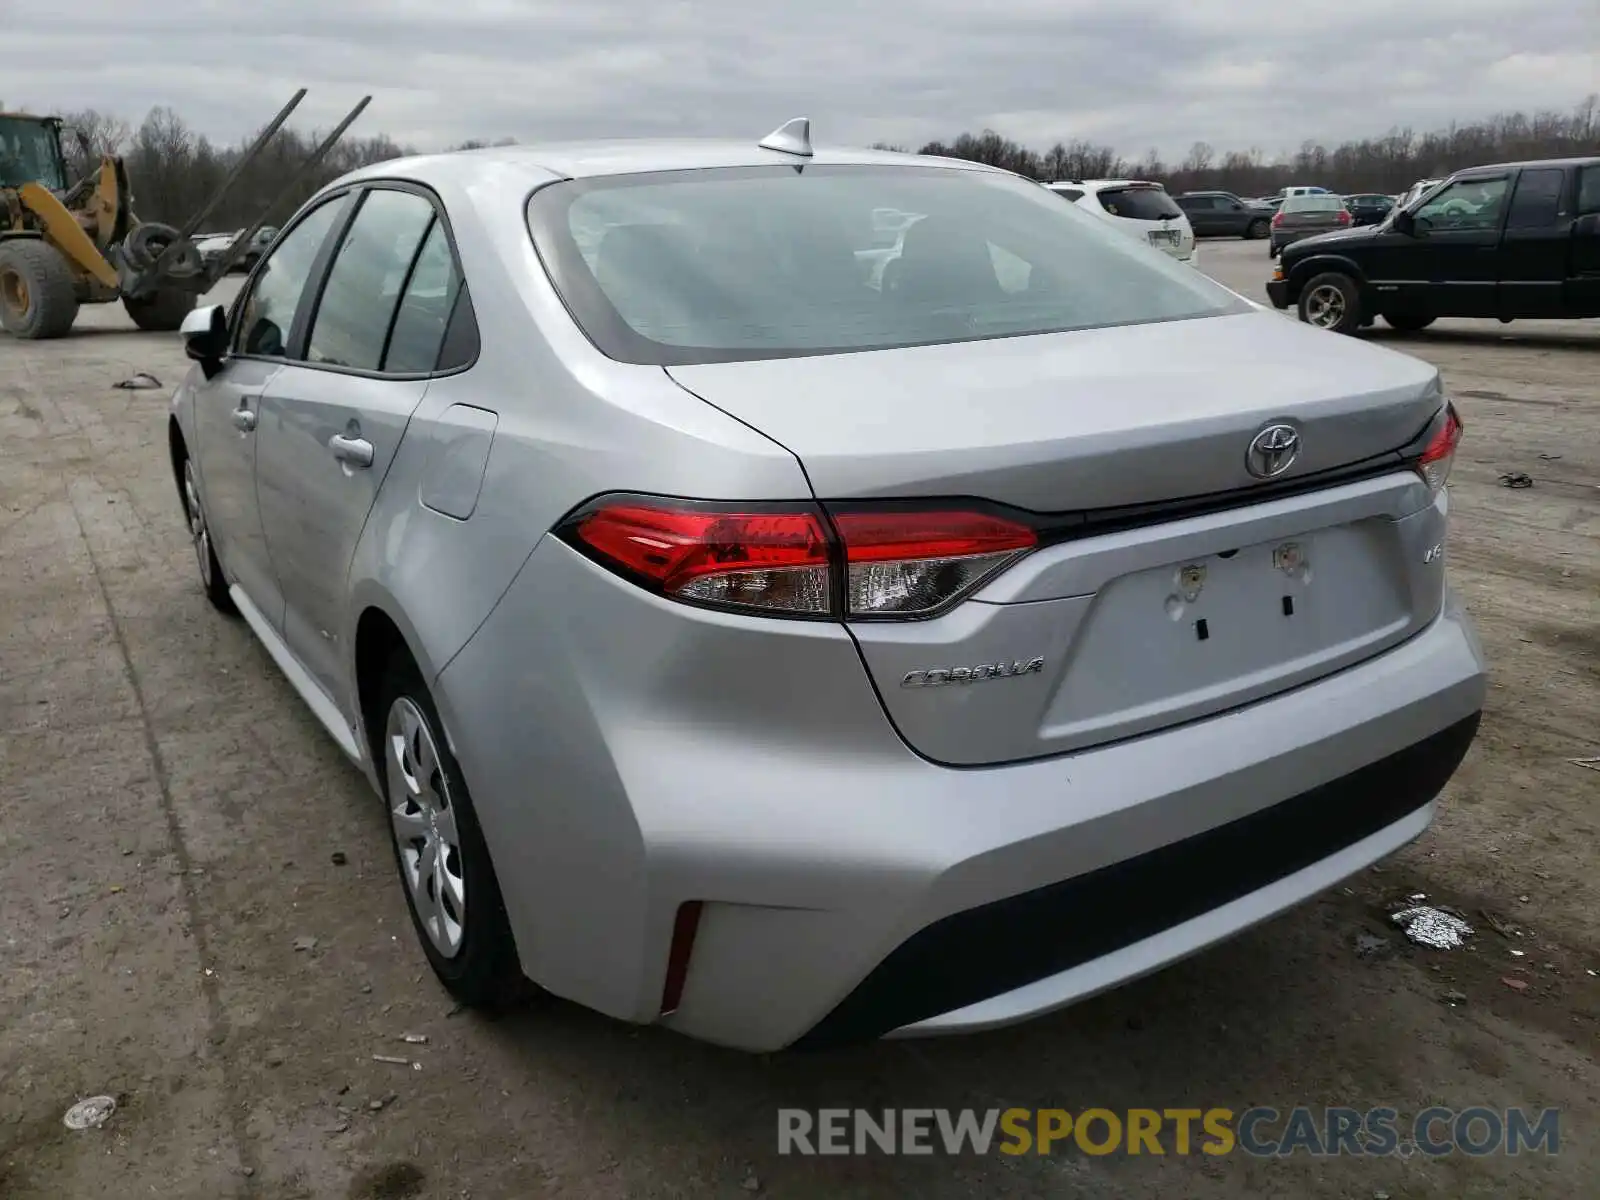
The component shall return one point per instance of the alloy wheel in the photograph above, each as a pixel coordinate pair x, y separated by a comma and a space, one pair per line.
1325, 306
199, 535
424, 823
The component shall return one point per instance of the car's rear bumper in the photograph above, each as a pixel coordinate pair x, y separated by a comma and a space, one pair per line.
636, 756
1278, 292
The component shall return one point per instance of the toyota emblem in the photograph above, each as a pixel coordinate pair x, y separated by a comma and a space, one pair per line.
1272, 451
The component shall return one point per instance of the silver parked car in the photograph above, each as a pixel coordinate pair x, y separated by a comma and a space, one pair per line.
741, 646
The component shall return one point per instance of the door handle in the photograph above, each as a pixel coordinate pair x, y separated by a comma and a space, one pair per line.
244, 418
352, 451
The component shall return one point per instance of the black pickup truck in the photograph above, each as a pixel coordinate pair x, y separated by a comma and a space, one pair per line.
1514, 241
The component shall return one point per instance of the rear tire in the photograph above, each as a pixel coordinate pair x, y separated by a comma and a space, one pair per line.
162, 311
1407, 322
439, 851
37, 296
1331, 301
1257, 230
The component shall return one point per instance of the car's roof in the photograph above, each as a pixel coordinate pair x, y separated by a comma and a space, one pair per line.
585, 160
1493, 168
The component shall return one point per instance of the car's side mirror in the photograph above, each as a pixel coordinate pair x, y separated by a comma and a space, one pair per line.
1405, 223
205, 337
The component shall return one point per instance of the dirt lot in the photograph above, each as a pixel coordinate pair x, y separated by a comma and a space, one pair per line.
169, 817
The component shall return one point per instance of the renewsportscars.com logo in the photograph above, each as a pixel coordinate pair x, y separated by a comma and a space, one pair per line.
1260, 1132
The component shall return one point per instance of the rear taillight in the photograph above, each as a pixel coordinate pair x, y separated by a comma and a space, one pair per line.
776, 561
1440, 453
1343, 216
1277, 218
791, 560
914, 563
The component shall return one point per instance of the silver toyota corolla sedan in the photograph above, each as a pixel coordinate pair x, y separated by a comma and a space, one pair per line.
789, 642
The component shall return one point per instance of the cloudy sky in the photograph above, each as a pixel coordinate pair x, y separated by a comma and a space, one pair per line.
1134, 73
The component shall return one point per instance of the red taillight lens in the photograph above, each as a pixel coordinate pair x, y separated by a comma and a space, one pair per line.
785, 560
1434, 465
1277, 218
1343, 216
761, 560
914, 563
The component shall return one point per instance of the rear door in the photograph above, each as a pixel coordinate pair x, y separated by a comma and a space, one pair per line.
332, 421
1534, 248
1457, 239
1583, 260
1202, 214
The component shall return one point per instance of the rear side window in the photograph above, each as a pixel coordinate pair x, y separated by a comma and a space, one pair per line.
358, 302
1139, 203
425, 309
1589, 190
1072, 194
1197, 203
1537, 200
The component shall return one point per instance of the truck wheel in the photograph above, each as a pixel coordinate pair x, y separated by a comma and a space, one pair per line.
1257, 230
37, 295
1407, 322
1331, 301
162, 311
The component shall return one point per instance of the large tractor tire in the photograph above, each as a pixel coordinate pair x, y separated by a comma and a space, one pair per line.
146, 243
37, 297
162, 311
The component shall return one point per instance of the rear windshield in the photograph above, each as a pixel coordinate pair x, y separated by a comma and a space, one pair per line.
1139, 203
1312, 204
765, 262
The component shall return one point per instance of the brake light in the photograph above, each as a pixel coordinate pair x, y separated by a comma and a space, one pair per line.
1343, 216
913, 563
788, 560
1277, 217
1440, 454
775, 560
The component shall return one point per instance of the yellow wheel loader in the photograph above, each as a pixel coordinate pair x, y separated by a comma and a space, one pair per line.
65, 244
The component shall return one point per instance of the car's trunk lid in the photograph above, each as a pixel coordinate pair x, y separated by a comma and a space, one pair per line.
1118, 632
1090, 419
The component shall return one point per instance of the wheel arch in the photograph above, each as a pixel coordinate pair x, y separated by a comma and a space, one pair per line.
1313, 265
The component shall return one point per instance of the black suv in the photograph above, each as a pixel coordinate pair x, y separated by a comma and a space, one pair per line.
1213, 214
1513, 241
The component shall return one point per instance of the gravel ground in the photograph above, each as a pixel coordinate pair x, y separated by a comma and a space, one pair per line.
170, 817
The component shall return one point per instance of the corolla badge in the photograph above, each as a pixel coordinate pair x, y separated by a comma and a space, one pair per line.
940, 676
1272, 451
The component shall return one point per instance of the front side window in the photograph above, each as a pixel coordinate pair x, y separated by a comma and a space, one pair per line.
266, 315
764, 262
30, 153
351, 326
1465, 204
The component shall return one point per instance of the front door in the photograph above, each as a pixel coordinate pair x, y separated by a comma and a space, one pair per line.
228, 409
1457, 244
1534, 248
332, 422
